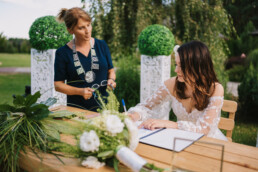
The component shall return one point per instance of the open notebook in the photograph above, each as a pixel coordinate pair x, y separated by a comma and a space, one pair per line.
164, 138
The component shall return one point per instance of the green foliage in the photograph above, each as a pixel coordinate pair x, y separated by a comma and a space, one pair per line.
156, 40
14, 45
253, 58
245, 43
128, 81
120, 22
248, 95
236, 73
242, 11
46, 33
20, 126
208, 22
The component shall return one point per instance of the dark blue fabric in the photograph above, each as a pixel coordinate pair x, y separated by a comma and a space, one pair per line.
65, 70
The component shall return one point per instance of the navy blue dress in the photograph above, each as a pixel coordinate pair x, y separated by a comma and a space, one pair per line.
65, 70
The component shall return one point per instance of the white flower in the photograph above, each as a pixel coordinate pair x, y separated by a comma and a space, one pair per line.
175, 49
114, 124
106, 112
89, 141
133, 133
92, 162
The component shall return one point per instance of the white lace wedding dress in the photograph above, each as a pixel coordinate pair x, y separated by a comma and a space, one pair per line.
205, 121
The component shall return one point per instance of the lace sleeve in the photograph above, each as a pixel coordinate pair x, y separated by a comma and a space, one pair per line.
151, 108
208, 120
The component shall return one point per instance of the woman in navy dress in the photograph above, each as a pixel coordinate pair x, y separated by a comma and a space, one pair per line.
84, 62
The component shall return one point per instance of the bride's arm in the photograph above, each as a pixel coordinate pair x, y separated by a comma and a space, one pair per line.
210, 117
152, 106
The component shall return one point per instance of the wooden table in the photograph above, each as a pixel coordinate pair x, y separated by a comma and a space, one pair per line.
197, 157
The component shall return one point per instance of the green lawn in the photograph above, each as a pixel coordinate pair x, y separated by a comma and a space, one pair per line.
245, 133
12, 84
14, 60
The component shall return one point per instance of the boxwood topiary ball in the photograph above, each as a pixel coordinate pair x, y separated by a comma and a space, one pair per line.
46, 33
156, 40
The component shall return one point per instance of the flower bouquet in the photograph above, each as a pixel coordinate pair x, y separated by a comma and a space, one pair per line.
107, 139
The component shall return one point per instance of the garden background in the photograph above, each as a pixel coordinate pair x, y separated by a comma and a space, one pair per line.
228, 27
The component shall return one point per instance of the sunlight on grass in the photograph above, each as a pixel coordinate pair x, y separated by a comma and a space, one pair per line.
12, 84
14, 60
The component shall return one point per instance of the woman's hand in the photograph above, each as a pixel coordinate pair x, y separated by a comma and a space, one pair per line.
152, 124
87, 93
134, 116
111, 84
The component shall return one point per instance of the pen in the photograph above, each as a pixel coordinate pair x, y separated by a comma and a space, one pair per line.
123, 102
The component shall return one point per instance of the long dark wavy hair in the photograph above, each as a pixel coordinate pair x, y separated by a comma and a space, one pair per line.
197, 67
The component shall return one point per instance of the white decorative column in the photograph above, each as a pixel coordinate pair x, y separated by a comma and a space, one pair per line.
42, 76
154, 71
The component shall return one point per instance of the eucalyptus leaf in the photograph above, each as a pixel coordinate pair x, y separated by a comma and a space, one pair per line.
49, 102
63, 126
126, 133
63, 114
106, 154
50, 131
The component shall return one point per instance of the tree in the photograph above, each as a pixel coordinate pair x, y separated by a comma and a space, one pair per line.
242, 11
3, 42
208, 22
120, 22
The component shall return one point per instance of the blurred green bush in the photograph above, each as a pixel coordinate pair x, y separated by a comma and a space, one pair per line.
236, 73
128, 81
156, 40
248, 96
253, 58
46, 33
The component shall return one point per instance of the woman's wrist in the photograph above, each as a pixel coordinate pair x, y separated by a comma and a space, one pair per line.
112, 79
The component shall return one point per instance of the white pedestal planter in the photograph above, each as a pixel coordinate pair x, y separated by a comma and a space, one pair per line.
42, 76
154, 71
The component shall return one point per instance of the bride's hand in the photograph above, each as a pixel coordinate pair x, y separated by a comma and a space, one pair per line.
134, 116
152, 124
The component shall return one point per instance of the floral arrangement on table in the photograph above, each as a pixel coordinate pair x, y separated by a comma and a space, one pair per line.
156, 40
46, 33
106, 139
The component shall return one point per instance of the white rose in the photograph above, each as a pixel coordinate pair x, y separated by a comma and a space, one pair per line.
133, 133
92, 162
89, 141
114, 124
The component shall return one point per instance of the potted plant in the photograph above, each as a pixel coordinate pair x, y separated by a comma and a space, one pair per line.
155, 43
46, 35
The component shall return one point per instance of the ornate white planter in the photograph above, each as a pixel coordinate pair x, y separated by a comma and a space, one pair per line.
42, 75
154, 71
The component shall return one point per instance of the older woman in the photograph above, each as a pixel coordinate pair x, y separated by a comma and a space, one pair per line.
195, 95
85, 62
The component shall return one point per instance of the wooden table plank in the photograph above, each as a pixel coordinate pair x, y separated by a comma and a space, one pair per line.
235, 148
50, 163
154, 153
228, 157
194, 162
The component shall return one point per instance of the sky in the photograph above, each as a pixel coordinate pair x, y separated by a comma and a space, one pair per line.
16, 16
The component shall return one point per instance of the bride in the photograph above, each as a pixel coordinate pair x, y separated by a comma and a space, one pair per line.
195, 95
